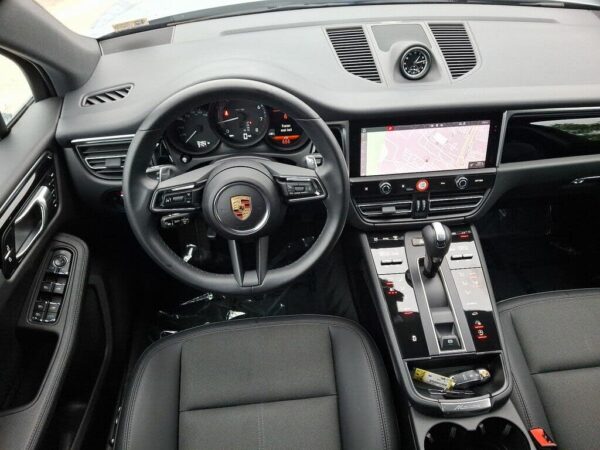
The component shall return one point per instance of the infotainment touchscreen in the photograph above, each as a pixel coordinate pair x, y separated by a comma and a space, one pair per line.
400, 149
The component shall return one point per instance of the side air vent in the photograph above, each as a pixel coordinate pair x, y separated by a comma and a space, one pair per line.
108, 96
354, 52
456, 46
391, 209
443, 204
104, 158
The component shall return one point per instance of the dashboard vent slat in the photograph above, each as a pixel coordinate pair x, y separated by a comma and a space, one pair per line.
354, 52
104, 159
442, 204
107, 96
456, 46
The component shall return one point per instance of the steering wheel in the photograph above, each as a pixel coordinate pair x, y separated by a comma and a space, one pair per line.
242, 198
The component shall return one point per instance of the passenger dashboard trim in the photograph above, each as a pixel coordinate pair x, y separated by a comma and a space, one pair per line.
541, 111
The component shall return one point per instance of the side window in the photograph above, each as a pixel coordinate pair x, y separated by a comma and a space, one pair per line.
15, 92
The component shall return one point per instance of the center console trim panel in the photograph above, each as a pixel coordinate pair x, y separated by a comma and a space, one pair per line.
436, 407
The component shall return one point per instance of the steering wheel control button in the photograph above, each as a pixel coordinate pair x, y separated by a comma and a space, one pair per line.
175, 220
422, 185
177, 200
385, 187
461, 182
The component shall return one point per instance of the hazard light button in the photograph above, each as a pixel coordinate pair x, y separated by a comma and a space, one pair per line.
422, 185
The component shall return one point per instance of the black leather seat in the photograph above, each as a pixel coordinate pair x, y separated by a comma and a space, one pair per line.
303, 382
553, 342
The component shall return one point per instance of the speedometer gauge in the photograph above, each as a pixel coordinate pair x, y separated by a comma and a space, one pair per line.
192, 133
284, 132
241, 122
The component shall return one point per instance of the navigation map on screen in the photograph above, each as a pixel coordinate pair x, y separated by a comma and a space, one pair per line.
424, 148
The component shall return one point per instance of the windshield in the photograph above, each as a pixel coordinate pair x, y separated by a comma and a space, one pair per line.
96, 18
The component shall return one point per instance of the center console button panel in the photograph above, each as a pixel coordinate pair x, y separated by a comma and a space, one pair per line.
405, 198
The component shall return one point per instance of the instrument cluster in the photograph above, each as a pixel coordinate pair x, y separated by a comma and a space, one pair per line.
236, 123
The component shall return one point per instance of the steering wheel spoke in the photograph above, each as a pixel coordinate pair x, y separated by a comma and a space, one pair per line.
297, 184
180, 194
252, 277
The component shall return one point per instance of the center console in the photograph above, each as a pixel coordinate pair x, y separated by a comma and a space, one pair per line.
435, 303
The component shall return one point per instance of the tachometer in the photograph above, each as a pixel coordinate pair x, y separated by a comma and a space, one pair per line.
241, 122
284, 132
192, 132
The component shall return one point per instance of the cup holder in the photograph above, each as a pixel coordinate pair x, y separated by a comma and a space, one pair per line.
491, 434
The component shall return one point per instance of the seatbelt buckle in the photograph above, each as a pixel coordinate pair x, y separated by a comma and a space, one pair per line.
541, 438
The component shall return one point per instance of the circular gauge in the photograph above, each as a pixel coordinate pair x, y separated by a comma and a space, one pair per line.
192, 133
241, 122
415, 63
284, 132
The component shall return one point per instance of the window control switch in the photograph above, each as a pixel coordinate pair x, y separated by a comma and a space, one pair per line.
53, 307
58, 288
46, 286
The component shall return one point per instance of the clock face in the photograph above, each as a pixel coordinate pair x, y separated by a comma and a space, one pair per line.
415, 63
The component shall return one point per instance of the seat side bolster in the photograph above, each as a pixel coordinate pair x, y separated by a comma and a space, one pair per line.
150, 416
367, 418
525, 395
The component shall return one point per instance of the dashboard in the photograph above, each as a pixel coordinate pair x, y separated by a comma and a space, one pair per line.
429, 130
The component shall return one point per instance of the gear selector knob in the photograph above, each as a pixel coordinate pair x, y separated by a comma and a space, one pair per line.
437, 238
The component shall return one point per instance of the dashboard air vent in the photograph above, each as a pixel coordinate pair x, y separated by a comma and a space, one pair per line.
105, 158
456, 46
391, 209
107, 96
354, 52
443, 204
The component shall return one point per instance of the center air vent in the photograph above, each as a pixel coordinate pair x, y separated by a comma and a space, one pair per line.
107, 96
392, 209
354, 52
105, 158
443, 204
456, 46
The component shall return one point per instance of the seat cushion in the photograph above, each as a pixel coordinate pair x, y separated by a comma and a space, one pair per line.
288, 382
553, 346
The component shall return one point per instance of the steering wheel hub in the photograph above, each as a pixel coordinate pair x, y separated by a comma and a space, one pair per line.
242, 201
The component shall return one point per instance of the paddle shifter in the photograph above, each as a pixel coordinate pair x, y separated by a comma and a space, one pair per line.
437, 239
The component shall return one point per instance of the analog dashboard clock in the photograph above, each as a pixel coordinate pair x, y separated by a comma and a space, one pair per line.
415, 63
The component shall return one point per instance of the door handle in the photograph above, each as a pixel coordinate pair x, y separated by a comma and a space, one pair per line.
39, 202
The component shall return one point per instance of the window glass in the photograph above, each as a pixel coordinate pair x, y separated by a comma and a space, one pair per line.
15, 92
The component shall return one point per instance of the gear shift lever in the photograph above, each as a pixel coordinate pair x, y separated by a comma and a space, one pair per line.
437, 239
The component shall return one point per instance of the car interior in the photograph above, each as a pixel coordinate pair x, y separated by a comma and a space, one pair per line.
290, 224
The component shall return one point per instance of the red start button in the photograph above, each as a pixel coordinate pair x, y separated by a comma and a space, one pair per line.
422, 185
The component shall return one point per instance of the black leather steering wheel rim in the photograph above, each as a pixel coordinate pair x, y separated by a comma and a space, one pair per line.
138, 188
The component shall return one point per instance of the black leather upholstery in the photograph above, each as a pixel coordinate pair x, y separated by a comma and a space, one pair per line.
553, 342
288, 382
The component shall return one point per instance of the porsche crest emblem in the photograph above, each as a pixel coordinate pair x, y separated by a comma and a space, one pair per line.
241, 205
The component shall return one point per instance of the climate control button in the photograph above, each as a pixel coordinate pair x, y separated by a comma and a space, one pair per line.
461, 182
385, 187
